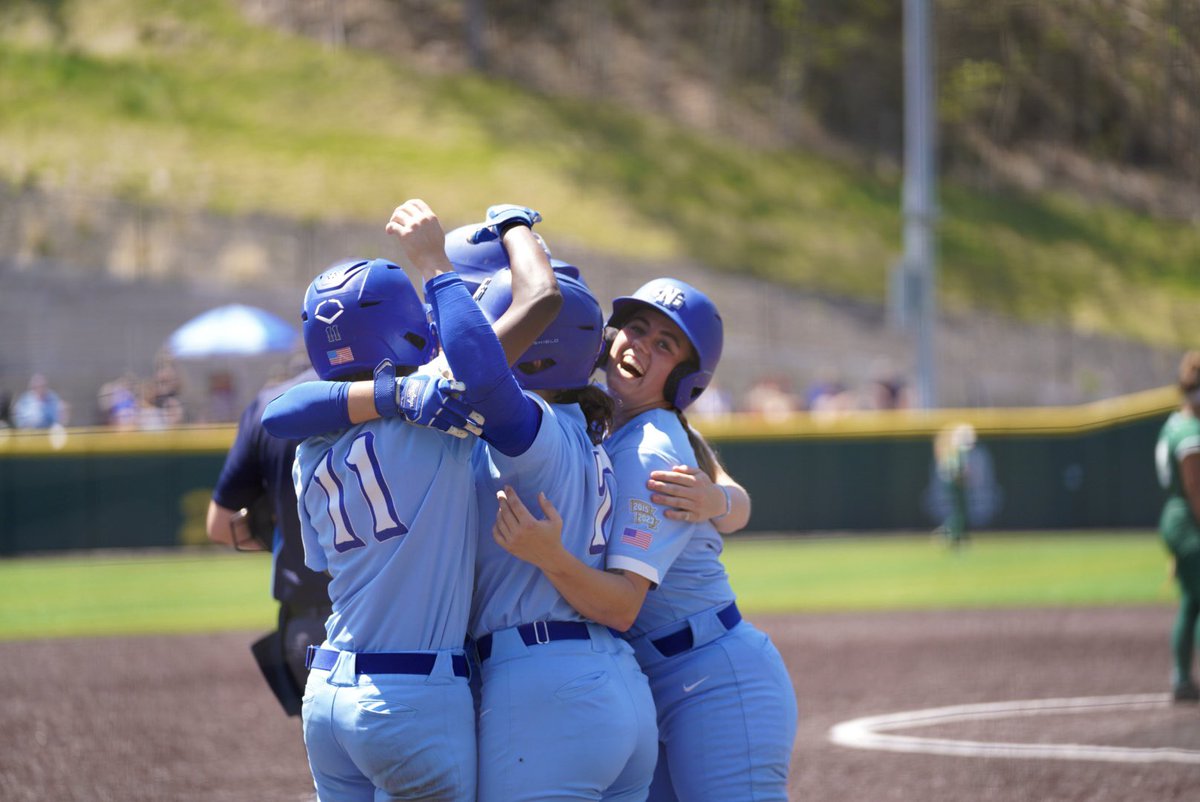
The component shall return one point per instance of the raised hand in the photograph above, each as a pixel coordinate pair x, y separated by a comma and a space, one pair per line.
421, 236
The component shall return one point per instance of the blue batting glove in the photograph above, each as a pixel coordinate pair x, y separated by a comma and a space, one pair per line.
501, 217
435, 402
431, 401
458, 419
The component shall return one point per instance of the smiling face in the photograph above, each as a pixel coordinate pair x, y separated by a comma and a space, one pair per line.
646, 349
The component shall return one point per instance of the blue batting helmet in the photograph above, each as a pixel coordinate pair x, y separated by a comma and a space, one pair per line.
476, 261
696, 315
358, 313
564, 355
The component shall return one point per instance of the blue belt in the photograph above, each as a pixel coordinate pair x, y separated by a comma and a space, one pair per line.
681, 641
385, 662
539, 632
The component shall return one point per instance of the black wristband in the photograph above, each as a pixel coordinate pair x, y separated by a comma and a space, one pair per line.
503, 228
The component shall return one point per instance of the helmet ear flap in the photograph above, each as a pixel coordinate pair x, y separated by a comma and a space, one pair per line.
671, 387
610, 335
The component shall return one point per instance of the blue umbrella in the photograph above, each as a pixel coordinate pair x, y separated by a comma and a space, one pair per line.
233, 330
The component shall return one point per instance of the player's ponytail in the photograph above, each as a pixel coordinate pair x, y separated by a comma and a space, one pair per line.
706, 458
597, 407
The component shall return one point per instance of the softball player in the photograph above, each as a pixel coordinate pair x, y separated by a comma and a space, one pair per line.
565, 712
952, 457
1177, 458
726, 707
387, 695
387, 712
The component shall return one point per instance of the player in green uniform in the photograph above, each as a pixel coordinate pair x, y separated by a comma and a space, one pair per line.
1177, 457
952, 452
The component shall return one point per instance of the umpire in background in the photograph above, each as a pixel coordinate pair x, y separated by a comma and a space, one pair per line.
253, 508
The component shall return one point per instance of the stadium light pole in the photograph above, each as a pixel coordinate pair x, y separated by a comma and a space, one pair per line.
913, 280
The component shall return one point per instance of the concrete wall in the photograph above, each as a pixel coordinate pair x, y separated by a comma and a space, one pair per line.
92, 287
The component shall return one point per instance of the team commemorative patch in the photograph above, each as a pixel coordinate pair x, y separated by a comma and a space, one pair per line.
341, 356
636, 537
643, 513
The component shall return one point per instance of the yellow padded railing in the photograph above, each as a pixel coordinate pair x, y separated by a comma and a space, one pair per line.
215, 439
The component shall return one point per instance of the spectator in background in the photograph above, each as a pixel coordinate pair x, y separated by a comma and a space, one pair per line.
770, 397
829, 397
886, 391
168, 389
118, 402
827, 386
150, 417
221, 397
39, 407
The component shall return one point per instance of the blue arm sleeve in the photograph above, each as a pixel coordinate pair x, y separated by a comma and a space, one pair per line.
477, 360
308, 409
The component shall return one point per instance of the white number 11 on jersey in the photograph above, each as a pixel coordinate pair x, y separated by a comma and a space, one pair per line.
373, 493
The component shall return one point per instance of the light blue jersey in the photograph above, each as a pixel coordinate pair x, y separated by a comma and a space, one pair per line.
725, 703
559, 719
509, 591
387, 508
682, 559
726, 720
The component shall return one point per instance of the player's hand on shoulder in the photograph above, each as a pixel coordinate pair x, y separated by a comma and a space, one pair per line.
688, 494
501, 217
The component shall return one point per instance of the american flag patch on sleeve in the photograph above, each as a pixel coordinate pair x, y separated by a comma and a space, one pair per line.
341, 356
636, 537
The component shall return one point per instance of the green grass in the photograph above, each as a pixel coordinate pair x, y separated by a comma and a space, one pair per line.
209, 590
187, 104
888, 573
134, 594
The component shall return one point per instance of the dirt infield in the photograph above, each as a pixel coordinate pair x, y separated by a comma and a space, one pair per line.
188, 718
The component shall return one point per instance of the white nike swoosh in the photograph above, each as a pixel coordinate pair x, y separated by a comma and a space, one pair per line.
485, 712
694, 685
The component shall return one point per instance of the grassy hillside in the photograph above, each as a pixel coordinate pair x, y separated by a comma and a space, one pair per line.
186, 103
